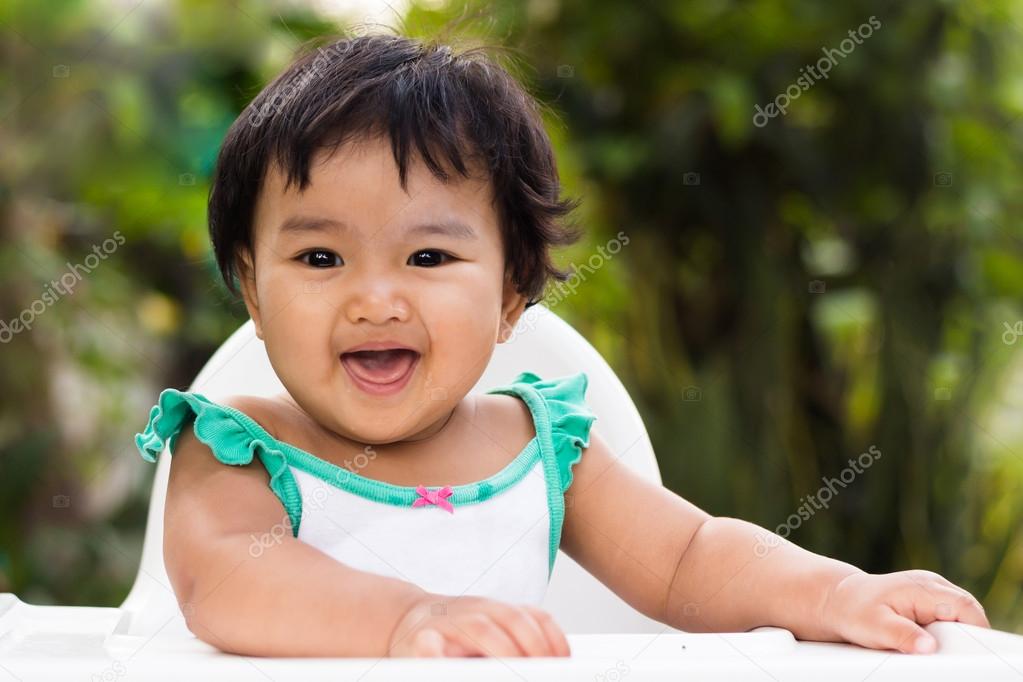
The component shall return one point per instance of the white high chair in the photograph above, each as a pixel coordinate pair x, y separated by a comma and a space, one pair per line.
146, 638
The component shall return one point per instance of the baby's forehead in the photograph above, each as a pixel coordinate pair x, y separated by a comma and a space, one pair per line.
374, 162
361, 183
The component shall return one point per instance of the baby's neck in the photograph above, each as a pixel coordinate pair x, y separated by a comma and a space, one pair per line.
459, 418
431, 432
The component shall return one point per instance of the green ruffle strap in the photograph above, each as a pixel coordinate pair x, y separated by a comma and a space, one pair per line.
229, 436
570, 418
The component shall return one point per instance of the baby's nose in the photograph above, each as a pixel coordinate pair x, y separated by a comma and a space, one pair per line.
379, 305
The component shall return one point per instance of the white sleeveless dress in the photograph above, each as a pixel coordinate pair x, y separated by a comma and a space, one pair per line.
496, 538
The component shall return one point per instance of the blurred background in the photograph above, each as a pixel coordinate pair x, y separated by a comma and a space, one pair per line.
803, 245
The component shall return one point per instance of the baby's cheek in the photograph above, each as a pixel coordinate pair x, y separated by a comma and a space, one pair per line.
301, 356
456, 363
473, 337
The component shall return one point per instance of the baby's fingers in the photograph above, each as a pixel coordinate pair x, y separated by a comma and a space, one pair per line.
954, 603
430, 643
427, 643
480, 635
941, 601
892, 631
523, 626
555, 636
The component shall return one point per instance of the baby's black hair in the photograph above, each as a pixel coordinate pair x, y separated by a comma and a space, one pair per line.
453, 107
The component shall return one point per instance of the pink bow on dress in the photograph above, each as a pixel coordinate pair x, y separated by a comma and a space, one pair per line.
437, 497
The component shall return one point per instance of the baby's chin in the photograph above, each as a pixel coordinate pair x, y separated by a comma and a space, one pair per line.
347, 416
381, 424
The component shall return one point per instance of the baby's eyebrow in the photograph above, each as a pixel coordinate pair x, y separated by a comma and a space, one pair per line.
298, 224
451, 227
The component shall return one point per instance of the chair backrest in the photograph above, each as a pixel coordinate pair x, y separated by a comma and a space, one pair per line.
541, 343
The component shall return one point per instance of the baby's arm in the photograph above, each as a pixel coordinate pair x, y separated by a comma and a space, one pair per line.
289, 600
681, 566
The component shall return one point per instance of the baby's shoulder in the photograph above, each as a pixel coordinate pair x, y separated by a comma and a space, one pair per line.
505, 416
267, 412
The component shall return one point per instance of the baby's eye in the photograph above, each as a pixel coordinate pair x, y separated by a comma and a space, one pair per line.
433, 257
319, 258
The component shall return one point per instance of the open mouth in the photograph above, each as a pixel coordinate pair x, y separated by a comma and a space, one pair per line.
381, 371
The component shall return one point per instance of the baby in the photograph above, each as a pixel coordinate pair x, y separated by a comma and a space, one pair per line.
387, 208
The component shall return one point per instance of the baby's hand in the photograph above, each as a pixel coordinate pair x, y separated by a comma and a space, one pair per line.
882, 611
439, 625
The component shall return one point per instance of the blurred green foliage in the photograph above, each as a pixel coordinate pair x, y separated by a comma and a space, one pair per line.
794, 292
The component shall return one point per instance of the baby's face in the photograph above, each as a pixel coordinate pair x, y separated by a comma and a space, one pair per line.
354, 259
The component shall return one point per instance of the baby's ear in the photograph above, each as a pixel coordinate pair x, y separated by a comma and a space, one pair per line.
512, 306
246, 269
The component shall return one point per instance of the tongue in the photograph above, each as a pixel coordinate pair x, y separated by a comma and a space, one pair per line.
379, 367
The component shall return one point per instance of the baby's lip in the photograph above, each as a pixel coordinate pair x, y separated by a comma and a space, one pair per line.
380, 345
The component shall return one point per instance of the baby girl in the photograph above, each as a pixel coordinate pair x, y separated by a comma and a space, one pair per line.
387, 208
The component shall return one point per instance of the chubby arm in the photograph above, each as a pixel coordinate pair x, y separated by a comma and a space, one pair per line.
290, 599
677, 564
